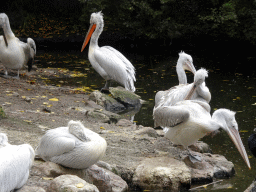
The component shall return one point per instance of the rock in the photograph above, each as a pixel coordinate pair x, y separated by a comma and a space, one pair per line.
162, 173
30, 189
71, 183
51, 169
201, 147
124, 123
211, 166
149, 131
106, 101
105, 180
103, 116
127, 98
119, 100
252, 187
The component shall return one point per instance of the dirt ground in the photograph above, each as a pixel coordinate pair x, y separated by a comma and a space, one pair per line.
32, 108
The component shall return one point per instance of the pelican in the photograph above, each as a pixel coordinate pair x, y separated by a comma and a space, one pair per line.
171, 96
189, 120
73, 146
13, 52
107, 61
15, 163
252, 143
194, 91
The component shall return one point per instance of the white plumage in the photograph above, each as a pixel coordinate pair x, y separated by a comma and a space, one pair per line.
107, 61
74, 146
13, 52
189, 120
15, 163
179, 92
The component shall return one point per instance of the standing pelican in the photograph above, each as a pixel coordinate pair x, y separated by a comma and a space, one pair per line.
13, 52
107, 61
189, 120
15, 162
74, 146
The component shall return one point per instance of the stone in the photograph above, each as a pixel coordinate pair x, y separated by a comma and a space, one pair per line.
30, 189
252, 187
212, 166
149, 131
71, 183
105, 180
103, 116
104, 100
162, 173
127, 98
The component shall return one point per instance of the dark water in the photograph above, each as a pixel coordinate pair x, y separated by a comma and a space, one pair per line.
231, 87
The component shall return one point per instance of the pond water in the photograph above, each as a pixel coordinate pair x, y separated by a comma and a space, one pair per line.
229, 89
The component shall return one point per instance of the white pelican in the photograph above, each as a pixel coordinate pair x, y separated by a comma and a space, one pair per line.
74, 146
107, 61
13, 52
189, 120
15, 163
185, 62
193, 91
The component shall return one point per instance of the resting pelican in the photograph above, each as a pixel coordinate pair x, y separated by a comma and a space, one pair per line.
190, 120
15, 162
107, 61
13, 52
74, 146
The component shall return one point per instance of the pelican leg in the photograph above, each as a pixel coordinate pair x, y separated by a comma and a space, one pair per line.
18, 76
193, 158
105, 89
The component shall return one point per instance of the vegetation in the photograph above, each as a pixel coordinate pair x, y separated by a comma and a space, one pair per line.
148, 19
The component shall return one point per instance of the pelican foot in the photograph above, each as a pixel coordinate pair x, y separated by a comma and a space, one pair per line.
104, 90
6, 76
194, 158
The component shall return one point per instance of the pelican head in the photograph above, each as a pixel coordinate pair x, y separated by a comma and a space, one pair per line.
4, 21
96, 21
199, 79
76, 128
226, 119
186, 61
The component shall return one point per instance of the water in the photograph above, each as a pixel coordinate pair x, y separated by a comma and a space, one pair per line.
229, 89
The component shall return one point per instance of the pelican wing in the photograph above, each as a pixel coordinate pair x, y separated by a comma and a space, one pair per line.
54, 146
116, 66
170, 116
15, 163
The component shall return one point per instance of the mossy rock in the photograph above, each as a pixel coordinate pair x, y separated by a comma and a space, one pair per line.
127, 98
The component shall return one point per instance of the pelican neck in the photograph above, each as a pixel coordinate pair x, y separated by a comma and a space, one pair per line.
7, 30
181, 73
96, 34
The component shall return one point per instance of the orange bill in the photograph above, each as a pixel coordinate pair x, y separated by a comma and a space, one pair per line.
88, 36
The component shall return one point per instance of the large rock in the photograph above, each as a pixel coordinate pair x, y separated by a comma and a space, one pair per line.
102, 178
127, 98
120, 99
105, 180
212, 166
71, 183
162, 173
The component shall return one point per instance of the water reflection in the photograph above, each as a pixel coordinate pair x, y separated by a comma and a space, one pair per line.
233, 91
